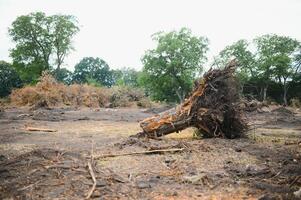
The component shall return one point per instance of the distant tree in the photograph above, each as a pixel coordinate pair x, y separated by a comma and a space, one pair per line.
64, 28
246, 60
9, 79
91, 69
127, 77
42, 41
275, 60
170, 69
117, 76
297, 64
63, 75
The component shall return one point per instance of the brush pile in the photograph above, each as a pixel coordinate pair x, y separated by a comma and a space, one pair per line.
212, 108
49, 93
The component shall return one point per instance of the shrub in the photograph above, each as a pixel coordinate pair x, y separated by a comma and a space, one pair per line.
123, 96
9, 79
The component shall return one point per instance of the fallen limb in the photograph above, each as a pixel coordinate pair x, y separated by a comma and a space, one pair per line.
138, 153
39, 129
23, 115
29, 186
58, 166
94, 180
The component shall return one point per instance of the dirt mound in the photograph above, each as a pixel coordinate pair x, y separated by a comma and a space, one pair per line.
252, 105
283, 111
50, 93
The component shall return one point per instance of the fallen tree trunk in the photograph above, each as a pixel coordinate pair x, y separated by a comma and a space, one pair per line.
212, 108
39, 129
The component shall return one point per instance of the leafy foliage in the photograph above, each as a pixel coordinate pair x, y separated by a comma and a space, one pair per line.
245, 58
42, 42
170, 68
127, 77
275, 60
9, 79
63, 75
93, 70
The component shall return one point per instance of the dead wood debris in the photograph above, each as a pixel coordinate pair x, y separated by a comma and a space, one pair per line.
94, 180
28, 128
139, 153
212, 108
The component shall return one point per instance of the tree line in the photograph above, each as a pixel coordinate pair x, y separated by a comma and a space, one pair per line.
269, 65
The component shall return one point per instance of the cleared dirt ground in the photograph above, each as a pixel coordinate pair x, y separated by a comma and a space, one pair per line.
41, 165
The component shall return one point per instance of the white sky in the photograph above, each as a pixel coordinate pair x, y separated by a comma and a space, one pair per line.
119, 31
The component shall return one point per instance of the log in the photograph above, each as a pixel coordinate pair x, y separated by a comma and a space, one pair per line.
39, 129
212, 108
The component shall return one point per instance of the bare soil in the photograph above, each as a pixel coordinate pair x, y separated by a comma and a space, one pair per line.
39, 165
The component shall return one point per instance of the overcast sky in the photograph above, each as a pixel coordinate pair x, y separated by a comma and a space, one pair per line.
119, 31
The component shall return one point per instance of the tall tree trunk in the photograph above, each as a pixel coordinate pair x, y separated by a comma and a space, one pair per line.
285, 89
181, 97
242, 89
265, 88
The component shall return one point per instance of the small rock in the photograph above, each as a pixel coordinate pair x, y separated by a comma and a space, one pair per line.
196, 179
83, 118
96, 193
169, 160
143, 185
298, 193
265, 109
101, 183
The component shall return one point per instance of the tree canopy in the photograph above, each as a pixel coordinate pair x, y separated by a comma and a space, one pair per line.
269, 65
275, 54
9, 79
170, 69
42, 42
91, 69
274, 58
127, 77
239, 50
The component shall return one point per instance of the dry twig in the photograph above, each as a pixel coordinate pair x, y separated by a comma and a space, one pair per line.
294, 181
94, 180
138, 153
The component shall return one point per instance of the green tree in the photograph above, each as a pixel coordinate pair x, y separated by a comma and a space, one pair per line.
42, 42
63, 29
275, 56
91, 69
63, 75
9, 79
246, 60
170, 68
127, 77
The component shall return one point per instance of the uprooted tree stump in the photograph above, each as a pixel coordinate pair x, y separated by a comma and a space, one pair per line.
212, 108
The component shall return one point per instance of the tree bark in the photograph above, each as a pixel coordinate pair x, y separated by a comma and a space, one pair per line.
265, 88
285, 89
